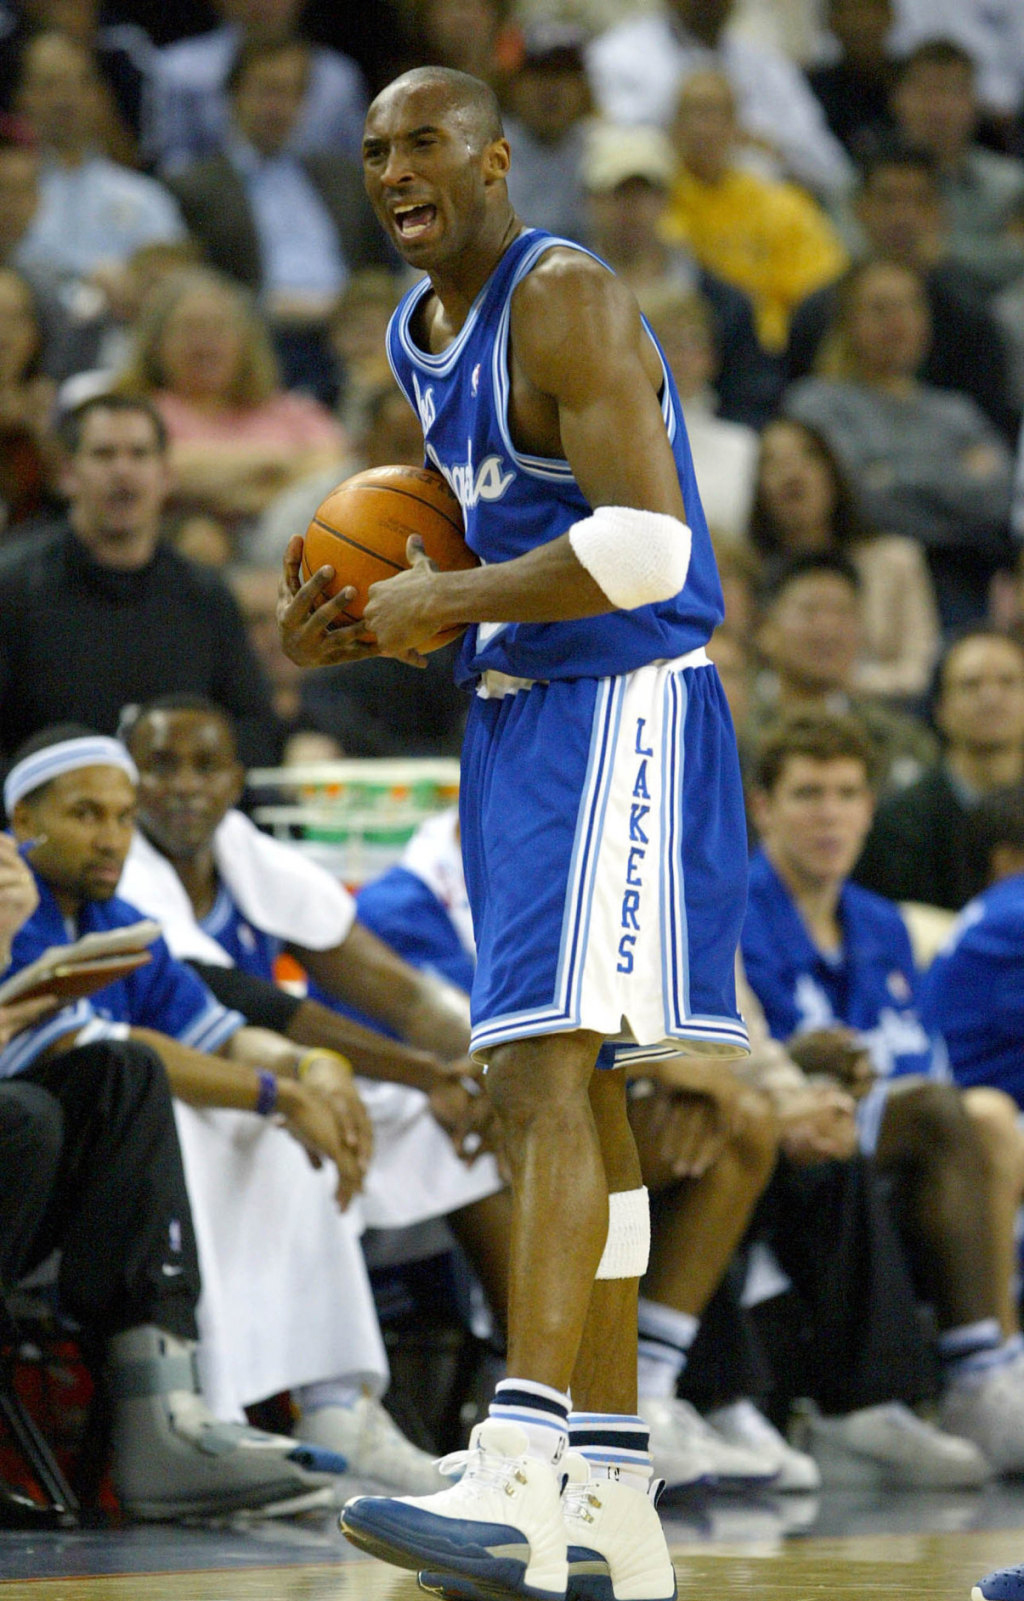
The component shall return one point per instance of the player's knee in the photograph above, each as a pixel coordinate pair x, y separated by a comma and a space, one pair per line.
993, 1116
925, 1122
532, 1079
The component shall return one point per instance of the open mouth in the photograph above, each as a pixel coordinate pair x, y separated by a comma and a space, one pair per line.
411, 221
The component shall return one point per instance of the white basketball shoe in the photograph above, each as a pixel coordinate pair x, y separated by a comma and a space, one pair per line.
500, 1526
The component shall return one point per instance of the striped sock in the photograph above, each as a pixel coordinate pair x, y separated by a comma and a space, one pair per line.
616, 1444
974, 1348
539, 1410
665, 1339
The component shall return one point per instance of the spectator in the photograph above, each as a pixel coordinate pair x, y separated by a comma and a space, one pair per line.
26, 405
804, 502
767, 238
936, 109
992, 33
810, 636
899, 212
133, 618
628, 173
972, 993
123, 55
70, 316
202, 354
469, 35
853, 87
921, 846
638, 67
88, 1151
357, 331
93, 213
289, 227
724, 453
927, 463
189, 117
73, 797
821, 952
548, 103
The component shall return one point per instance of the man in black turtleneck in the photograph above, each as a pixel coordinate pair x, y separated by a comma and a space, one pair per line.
97, 613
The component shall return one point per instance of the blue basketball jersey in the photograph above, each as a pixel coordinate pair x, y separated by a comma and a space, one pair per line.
513, 502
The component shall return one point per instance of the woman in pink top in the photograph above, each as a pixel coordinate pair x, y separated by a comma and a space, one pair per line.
203, 355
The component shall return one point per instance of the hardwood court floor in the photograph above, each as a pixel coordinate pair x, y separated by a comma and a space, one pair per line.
853, 1547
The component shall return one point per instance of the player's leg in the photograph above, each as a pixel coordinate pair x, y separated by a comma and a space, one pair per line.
614, 1534
501, 1526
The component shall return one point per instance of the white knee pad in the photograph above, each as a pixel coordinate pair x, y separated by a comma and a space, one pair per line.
628, 1245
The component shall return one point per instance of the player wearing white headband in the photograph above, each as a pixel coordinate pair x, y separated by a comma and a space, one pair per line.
71, 800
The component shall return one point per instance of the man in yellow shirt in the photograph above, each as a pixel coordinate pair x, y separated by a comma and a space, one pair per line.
768, 238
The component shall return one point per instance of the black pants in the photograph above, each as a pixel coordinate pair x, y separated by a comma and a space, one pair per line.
849, 1334
90, 1163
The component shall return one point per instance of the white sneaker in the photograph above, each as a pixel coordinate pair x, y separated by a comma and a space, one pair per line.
686, 1450
615, 1539
373, 1445
500, 1524
742, 1424
988, 1408
890, 1445
616, 1545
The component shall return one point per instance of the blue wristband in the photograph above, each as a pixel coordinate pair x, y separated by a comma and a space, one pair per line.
266, 1101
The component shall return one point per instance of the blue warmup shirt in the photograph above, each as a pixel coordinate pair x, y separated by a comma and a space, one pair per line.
163, 994
870, 986
973, 993
398, 907
513, 503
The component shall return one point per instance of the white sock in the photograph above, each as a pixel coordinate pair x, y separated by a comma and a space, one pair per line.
665, 1340
538, 1409
330, 1392
616, 1445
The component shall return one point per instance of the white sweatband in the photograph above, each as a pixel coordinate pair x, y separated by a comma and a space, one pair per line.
636, 557
67, 756
628, 1245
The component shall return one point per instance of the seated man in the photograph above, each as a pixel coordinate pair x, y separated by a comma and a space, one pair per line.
810, 637
973, 993
279, 1250
88, 1152
709, 1146
819, 951
922, 846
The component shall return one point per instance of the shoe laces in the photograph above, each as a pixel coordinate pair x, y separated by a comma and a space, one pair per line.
479, 1471
904, 1418
380, 1433
751, 1425
578, 1498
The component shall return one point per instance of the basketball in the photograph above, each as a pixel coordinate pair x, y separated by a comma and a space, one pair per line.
361, 529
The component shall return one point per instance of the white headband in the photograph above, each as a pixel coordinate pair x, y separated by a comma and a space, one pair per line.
94, 750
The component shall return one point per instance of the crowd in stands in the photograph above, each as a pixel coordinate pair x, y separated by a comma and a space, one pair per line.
820, 207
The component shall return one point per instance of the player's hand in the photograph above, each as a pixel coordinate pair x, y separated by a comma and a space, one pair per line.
402, 613
818, 1124
838, 1053
22, 1014
459, 1103
18, 894
310, 622
680, 1134
310, 1120
330, 1079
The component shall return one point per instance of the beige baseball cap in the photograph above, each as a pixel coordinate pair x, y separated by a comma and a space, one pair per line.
613, 155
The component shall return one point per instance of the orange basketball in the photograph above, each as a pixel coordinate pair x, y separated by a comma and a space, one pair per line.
362, 527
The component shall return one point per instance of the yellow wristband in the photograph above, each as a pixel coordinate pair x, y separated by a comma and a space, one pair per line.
321, 1054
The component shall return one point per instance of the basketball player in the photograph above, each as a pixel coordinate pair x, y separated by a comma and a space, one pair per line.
602, 817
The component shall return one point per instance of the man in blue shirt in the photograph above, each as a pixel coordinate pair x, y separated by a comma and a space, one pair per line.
973, 993
276, 1252
822, 953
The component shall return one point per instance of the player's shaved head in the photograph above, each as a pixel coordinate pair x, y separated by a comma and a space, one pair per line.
469, 99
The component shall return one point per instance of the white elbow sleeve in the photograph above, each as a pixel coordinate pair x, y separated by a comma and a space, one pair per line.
636, 557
